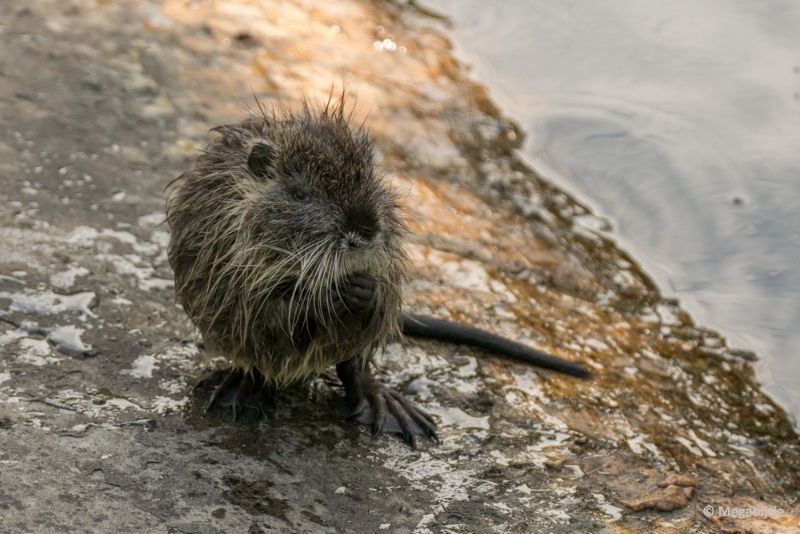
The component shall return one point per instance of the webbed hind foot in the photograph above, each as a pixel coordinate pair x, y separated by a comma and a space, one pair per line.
385, 410
238, 390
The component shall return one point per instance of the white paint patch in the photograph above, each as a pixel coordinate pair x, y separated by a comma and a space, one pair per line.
49, 303
165, 405
688, 444
148, 222
559, 516
667, 314
704, 445
469, 369
156, 283
740, 444
421, 388
88, 404
67, 340
626, 279
127, 264
576, 470
144, 273
172, 386
160, 238
639, 443
66, 279
122, 404
636, 444
744, 450
499, 458
556, 439
148, 249
502, 507
83, 236
596, 344
447, 482
650, 354
422, 526
457, 418
613, 513
464, 386
472, 276
591, 226
9, 336
649, 316
120, 235
181, 357
528, 383
412, 359
760, 406
523, 489
35, 352
142, 367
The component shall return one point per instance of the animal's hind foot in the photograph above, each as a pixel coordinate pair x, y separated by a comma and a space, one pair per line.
385, 410
237, 389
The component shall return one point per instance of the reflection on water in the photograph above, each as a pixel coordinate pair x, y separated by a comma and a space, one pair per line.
680, 122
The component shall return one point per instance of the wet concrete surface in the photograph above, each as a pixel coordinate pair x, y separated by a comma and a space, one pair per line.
102, 105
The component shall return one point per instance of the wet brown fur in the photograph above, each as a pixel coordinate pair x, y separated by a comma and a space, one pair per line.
257, 255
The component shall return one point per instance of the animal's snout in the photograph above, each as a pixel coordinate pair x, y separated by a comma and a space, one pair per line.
356, 240
361, 226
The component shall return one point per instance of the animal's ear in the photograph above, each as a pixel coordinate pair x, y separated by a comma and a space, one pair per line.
260, 157
231, 136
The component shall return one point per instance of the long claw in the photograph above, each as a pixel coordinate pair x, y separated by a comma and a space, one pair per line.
399, 410
238, 390
353, 416
265, 398
364, 392
410, 438
231, 380
380, 415
358, 411
421, 418
245, 390
211, 380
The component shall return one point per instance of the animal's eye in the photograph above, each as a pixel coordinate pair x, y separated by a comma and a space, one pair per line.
299, 194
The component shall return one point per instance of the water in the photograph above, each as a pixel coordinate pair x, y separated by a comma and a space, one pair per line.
680, 123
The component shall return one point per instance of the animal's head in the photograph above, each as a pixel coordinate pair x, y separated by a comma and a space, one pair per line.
284, 205
309, 182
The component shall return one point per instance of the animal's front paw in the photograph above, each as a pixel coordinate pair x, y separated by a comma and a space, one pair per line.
354, 294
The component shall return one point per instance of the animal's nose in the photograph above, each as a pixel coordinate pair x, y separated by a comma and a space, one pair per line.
362, 225
355, 240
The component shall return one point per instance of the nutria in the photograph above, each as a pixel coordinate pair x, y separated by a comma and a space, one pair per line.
288, 257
